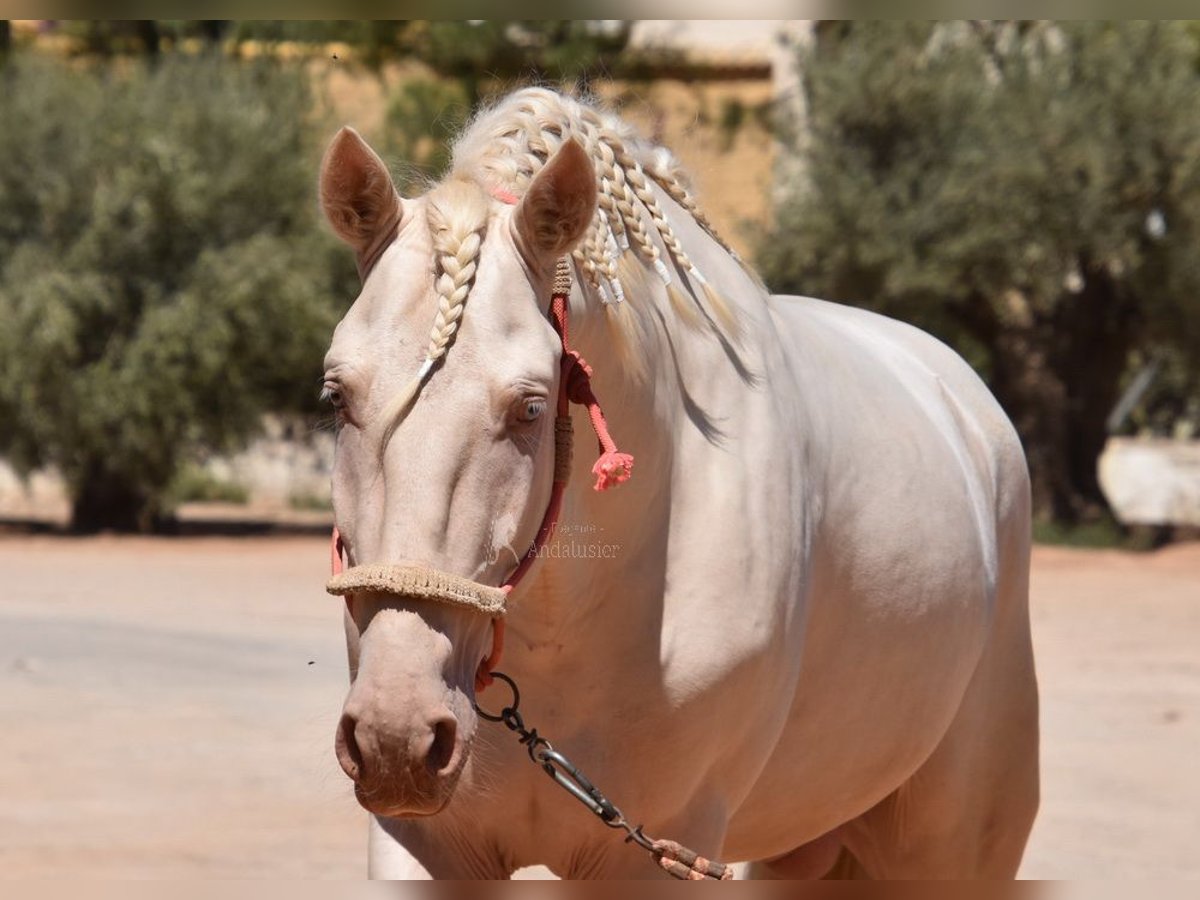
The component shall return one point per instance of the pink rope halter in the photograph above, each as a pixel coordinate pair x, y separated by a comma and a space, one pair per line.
611, 468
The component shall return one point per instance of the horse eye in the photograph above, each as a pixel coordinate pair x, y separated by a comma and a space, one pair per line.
531, 409
332, 395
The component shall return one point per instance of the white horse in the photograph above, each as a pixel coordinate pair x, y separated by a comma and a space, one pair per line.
797, 636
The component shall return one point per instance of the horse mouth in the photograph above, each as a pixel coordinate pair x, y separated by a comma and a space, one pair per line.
413, 795
407, 808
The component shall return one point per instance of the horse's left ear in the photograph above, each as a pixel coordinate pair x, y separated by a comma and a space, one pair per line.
557, 209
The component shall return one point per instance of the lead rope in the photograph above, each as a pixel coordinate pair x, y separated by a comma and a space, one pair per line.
674, 858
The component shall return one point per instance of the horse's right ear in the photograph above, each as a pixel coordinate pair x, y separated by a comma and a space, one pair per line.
358, 197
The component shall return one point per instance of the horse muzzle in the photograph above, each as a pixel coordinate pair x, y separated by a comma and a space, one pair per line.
408, 720
405, 768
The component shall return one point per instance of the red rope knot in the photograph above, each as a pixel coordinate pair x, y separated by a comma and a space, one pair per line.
577, 376
613, 466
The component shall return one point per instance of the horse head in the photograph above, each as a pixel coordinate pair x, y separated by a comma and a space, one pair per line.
445, 445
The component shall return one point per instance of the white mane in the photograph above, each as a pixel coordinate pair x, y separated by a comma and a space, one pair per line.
629, 240
508, 144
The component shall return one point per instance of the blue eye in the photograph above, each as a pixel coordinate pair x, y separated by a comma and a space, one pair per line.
531, 408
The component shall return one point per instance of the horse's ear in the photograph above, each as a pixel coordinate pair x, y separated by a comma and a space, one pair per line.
358, 196
558, 207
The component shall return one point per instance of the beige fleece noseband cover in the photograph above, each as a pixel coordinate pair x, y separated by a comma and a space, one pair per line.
419, 584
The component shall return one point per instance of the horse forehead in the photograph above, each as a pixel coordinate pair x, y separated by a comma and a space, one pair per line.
399, 298
502, 291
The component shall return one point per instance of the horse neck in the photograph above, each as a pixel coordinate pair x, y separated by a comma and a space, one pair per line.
687, 385
602, 535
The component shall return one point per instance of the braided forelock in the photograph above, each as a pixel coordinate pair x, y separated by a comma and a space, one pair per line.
457, 215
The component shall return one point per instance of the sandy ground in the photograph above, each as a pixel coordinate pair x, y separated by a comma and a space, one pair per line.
168, 709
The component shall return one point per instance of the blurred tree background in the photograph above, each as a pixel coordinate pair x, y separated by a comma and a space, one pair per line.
163, 281
164, 278
1030, 193
469, 63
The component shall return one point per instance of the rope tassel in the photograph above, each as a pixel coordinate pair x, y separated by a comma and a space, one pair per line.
613, 466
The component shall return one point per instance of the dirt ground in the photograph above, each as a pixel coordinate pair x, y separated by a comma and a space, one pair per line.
168, 709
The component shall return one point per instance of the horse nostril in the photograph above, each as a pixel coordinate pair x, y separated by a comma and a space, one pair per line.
348, 752
441, 751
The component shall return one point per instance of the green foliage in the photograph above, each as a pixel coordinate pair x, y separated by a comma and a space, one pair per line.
305, 502
423, 117
194, 485
547, 49
376, 40
106, 37
1103, 533
472, 60
163, 279
550, 49
730, 121
1171, 405
1029, 192
735, 116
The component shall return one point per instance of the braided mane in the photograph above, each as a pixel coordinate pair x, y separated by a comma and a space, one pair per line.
500, 153
506, 146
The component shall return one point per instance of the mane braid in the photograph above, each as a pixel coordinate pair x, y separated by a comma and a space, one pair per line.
630, 236
503, 150
506, 146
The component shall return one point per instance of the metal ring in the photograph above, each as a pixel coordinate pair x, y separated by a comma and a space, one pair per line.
516, 701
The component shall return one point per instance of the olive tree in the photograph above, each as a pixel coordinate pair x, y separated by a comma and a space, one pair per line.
163, 278
1028, 192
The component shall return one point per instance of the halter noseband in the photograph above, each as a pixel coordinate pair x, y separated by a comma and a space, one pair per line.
612, 467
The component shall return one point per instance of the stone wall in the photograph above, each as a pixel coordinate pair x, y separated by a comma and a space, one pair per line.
1152, 481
